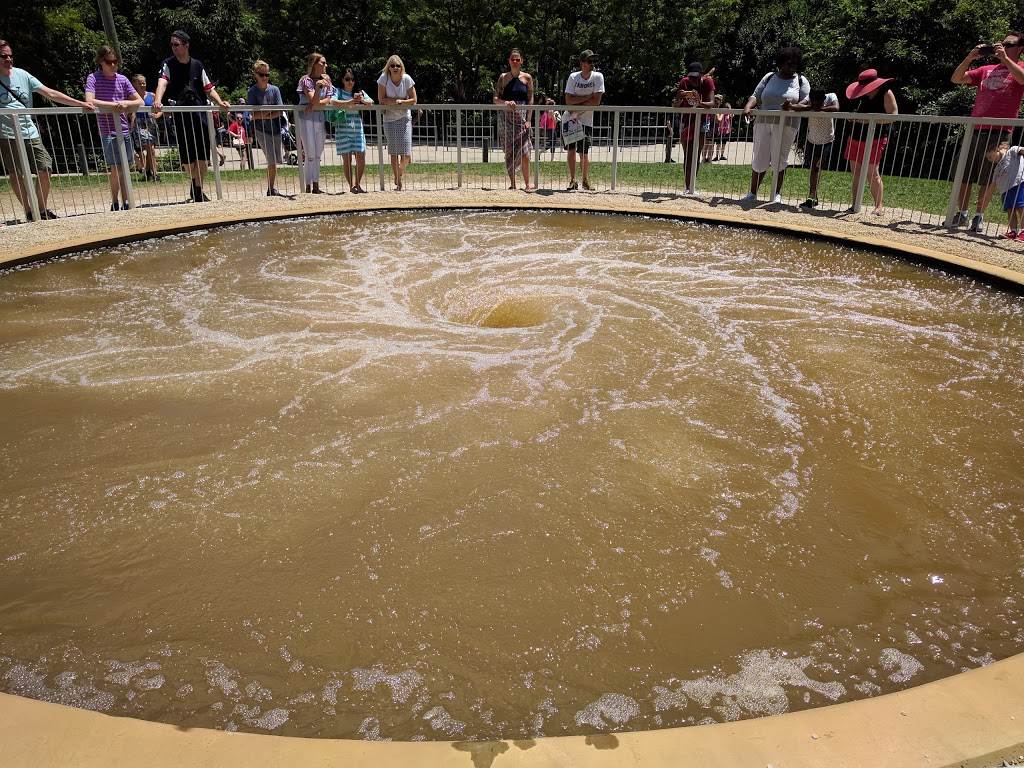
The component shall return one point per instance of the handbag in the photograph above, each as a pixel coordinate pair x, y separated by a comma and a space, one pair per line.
572, 130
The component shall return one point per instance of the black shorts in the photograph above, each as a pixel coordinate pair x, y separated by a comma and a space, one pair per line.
817, 154
583, 145
192, 136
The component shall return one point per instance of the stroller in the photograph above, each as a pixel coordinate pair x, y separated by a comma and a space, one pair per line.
291, 146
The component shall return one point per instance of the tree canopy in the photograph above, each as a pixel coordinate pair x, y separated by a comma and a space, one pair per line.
456, 48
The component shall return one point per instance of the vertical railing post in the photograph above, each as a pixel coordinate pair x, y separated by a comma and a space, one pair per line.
126, 175
958, 175
211, 132
537, 150
615, 146
26, 177
861, 181
458, 146
380, 145
778, 149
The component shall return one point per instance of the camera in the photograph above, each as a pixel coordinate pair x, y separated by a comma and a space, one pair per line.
987, 50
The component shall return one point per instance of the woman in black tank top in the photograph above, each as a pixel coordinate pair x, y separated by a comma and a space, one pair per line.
513, 89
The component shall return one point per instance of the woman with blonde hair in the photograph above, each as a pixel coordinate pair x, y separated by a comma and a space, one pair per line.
315, 88
397, 89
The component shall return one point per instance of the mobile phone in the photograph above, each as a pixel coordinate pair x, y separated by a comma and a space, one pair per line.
987, 50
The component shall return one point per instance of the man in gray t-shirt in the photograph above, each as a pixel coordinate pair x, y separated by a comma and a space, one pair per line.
16, 89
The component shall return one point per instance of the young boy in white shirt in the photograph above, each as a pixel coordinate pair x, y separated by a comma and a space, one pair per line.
1009, 180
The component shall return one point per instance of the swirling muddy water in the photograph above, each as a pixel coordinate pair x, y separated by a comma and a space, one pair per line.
478, 475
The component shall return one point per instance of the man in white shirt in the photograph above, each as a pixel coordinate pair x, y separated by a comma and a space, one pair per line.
583, 88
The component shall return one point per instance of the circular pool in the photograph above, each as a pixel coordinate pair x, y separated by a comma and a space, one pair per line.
499, 475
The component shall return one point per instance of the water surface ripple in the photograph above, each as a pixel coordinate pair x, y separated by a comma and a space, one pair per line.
482, 475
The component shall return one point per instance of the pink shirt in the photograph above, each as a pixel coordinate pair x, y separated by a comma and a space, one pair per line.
999, 95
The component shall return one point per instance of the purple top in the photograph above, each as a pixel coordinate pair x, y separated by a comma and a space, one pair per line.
116, 88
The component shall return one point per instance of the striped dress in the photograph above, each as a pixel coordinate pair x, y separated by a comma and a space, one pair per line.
349, 138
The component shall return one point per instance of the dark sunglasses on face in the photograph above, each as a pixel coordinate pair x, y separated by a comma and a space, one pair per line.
262, 74
6, 56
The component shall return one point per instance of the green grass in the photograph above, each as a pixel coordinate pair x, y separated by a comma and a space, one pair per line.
834, 188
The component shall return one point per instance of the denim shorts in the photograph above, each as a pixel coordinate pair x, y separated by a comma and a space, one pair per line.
110, 153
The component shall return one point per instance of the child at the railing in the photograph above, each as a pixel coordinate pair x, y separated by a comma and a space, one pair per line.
821, 131
1009, 180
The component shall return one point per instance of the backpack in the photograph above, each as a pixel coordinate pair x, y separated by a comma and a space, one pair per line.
190, 95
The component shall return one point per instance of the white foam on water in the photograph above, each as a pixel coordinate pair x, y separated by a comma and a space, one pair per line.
612, 709
901, 666
401, 684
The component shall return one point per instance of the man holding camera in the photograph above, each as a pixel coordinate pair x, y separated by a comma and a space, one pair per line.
1000, 88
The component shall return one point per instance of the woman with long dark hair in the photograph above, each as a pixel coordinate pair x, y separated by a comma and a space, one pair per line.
513, 89
349, 136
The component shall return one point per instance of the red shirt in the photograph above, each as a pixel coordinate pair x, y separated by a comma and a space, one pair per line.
704, 91
999, 95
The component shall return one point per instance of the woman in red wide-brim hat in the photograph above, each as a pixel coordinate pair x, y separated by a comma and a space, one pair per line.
869, 93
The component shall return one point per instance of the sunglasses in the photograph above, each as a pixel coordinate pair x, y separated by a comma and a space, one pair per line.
262, 74
1017, 44
111, 62
394, 66
348, 79
6, 56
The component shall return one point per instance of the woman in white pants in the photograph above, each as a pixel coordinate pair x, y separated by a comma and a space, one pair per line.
314, 89
777, 91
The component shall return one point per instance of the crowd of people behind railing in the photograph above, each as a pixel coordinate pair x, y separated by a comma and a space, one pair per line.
125, 133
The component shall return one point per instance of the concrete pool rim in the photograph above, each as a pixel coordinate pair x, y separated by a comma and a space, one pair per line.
971, 719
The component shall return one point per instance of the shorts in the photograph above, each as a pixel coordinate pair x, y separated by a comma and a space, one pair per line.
817, 155
193, 139
110, 153
270, 142
686, 133
979, 169
855, 150
1013, 197
583, 145
39, 160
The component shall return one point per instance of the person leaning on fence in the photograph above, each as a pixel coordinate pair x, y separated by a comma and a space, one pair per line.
267, 123
108, 89
16, 89
777, 91
1000, 89
395, 88
144, 131
583, 88
869, 93
349, 136
183, 80
821, 132
695, 91
514, 89
1008, 178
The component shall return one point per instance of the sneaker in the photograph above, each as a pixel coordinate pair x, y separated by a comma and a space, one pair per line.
1020, 235
48, 214
777, 199
573, 186
960, 219
810, 202
976, 222
273, 193
748, 197
586, 185
1011, 235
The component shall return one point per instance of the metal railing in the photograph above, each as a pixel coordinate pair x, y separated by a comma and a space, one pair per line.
634, 150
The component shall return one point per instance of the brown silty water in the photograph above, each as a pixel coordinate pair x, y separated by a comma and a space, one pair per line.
480, 475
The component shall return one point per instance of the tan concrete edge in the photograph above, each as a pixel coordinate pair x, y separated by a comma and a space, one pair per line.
971, 720
74, 244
